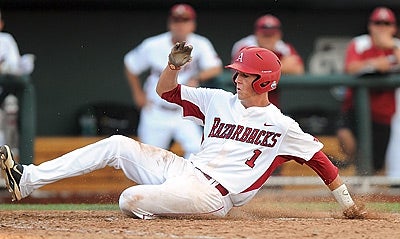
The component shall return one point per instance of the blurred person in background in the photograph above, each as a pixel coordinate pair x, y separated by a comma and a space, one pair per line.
11, 63
268, 34
376, 53
161, 122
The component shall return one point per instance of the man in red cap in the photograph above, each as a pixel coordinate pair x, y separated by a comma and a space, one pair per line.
268, 34
160, 121
374, 53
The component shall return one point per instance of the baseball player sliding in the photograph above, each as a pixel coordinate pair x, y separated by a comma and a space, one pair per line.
245, 139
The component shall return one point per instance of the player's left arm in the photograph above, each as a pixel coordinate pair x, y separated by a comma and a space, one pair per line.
292, 63
329, 174
305, 149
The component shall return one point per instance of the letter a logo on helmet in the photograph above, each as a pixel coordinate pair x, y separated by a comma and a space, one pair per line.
261, 62
240, 57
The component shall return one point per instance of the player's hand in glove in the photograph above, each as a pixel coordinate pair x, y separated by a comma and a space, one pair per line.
355, 212
180, 55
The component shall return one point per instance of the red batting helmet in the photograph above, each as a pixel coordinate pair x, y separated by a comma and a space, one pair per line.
261, 62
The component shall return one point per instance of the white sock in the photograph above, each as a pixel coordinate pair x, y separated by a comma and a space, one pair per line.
343, 197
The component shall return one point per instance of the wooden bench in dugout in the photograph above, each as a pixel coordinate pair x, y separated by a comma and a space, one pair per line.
112, 180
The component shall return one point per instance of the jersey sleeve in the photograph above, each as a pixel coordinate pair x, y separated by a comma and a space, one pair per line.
208, 56
299, 144
136, 60
9, 55
194, 101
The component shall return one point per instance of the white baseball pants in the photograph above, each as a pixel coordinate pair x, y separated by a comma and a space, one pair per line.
169, 185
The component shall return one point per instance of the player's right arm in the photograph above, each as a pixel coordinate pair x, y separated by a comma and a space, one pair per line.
138, 94
168, 81
136, 62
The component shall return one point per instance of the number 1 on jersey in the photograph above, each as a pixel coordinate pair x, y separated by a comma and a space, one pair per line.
250, 162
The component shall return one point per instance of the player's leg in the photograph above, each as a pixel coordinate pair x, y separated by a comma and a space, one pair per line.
141, 163
188, 135
184, 195
155, 127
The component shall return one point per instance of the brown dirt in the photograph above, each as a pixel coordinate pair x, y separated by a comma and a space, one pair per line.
266, 216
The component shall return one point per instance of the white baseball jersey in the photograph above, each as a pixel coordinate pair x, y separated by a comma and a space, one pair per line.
240, 143
153, 53
9, 54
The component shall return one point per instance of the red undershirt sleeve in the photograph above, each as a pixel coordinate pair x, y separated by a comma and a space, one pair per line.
322, 166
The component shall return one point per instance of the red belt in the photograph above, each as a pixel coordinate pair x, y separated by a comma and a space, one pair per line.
220, 188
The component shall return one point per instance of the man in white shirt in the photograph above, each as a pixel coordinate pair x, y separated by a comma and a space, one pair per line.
9, 53
11, 62
160, 121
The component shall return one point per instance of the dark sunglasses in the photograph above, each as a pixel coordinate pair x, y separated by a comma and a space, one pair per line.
382, 23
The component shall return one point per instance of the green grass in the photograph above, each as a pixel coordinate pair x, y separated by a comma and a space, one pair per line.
385, 207
310, 206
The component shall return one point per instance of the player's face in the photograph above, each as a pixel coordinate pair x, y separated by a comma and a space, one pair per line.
382, 27
181, 29
244, 87
268, 41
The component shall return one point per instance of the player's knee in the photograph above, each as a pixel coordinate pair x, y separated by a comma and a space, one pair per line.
127, 201
118, 138
131, 202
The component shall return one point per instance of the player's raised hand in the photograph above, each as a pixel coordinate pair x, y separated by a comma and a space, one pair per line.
180, 55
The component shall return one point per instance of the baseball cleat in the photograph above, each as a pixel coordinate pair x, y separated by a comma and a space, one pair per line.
12, 172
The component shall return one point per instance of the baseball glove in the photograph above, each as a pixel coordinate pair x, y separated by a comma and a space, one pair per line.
355, 212
180, 55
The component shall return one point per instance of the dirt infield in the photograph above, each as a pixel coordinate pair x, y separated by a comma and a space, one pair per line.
112, 224
266, 216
